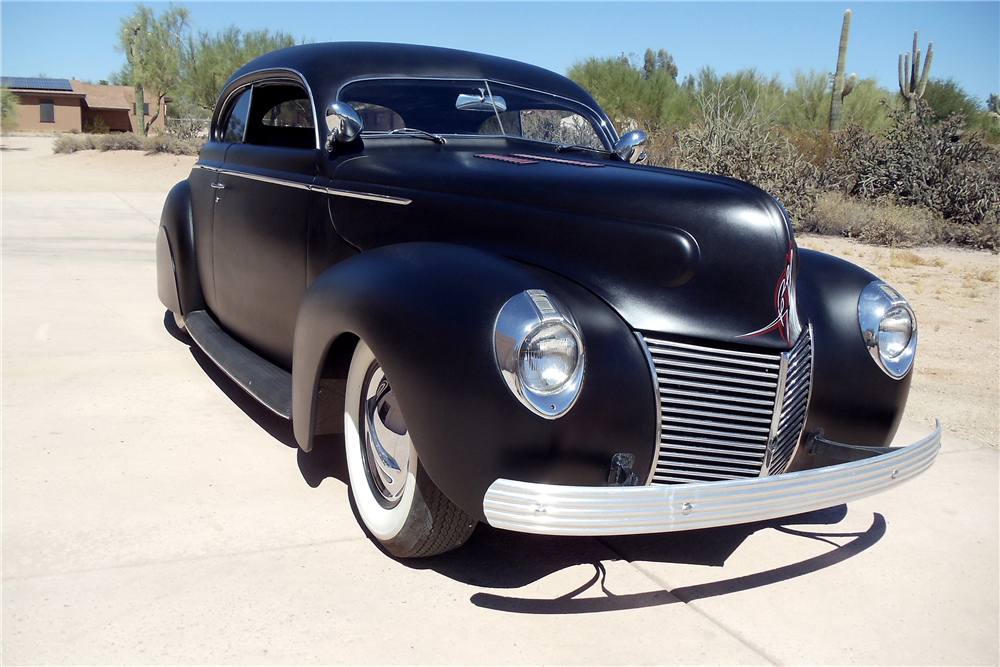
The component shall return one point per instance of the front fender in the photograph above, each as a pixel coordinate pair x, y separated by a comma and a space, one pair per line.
427, 311
852, 400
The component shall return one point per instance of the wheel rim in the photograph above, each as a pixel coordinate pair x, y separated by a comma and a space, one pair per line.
386, 440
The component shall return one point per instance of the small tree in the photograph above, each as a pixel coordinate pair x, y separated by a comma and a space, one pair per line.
152, 47
209, 60
9, 103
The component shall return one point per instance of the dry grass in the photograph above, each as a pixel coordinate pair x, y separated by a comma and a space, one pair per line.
874, 223
956, 295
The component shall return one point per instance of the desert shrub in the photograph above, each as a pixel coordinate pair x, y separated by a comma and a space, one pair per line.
122, 141
70, 143
119, 141
168, 143
735, 138
878, 223
920, 163
96, 125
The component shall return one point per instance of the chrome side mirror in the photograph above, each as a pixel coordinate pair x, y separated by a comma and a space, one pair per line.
627, 147
343, 123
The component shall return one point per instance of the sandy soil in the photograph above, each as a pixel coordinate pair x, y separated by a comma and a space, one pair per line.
28, 164
955, 292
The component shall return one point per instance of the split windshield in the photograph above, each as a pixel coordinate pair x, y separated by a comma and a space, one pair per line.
471, 107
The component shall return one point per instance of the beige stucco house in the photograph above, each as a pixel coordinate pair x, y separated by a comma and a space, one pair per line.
68, 105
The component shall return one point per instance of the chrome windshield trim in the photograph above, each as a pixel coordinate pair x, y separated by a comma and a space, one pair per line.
369, 196
583, 510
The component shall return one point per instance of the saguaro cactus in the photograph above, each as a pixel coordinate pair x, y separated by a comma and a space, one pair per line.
910, 87
840, 88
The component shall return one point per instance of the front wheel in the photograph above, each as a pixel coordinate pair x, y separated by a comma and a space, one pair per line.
395, 498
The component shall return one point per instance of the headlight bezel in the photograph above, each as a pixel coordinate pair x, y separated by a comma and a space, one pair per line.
521, 316
877, 300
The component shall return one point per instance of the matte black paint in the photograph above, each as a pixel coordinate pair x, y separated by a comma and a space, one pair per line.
671, 251
625, 247
433, 336
178, 288
853, 400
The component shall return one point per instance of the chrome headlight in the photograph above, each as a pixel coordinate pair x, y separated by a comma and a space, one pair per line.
540, 353
889, 328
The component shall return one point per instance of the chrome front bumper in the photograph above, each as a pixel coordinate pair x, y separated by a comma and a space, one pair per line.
583, 510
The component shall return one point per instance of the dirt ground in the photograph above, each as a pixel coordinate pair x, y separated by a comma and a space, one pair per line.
955, 292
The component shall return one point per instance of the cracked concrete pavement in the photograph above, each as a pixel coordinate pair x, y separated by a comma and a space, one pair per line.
152, 513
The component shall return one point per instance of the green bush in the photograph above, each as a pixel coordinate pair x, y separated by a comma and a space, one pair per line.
96, 125
9, 103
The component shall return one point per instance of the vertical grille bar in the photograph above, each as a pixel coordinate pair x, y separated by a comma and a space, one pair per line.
720, 413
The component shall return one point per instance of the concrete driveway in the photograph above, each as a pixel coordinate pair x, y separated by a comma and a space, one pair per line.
153, 514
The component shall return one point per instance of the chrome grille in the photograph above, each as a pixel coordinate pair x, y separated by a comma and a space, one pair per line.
793, 407
720, 408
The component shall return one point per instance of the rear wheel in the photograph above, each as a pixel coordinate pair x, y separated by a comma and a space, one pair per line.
395, 498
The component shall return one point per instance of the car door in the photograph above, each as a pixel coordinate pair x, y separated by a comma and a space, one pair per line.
263, 208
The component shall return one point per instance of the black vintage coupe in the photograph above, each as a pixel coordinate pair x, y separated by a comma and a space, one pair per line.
456, 261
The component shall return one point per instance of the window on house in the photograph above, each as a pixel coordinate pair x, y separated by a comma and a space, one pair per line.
145, 108
47, 111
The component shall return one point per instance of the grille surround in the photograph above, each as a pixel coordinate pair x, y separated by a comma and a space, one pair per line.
727, 414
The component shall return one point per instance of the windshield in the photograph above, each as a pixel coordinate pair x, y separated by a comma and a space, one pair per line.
472, 107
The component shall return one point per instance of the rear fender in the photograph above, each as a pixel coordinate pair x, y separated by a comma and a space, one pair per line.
427, 311
177, 282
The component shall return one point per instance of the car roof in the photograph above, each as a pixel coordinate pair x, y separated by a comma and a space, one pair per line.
327, 67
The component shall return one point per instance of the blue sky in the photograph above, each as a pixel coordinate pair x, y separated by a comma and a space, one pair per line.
77, 39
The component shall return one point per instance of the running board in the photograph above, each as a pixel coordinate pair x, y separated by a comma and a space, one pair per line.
270, 385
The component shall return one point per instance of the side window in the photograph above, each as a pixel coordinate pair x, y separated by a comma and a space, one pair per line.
236, 124
293, 113
47, 111
281, 114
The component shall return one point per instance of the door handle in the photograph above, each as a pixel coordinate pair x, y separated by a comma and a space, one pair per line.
218, 186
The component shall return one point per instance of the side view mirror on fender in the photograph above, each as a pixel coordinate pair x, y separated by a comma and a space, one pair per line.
343, 123
627, 148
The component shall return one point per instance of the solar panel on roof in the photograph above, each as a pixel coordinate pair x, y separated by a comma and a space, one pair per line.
35, 83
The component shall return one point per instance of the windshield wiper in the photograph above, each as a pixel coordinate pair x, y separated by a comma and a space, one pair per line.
411, 131
579, 147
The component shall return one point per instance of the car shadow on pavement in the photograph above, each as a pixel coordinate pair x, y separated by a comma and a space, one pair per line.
326, 460
503, 560
500, 559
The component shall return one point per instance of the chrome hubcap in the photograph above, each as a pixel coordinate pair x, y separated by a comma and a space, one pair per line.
387, 442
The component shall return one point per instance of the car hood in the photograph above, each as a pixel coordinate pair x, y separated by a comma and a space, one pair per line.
674, 252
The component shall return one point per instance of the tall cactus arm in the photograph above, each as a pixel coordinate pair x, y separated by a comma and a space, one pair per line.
903, 68
852, 81
927, 70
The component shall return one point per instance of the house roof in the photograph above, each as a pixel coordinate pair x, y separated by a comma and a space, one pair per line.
105, 97
36, 83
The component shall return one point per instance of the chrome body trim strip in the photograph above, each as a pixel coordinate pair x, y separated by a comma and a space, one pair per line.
369, 196
582, 510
